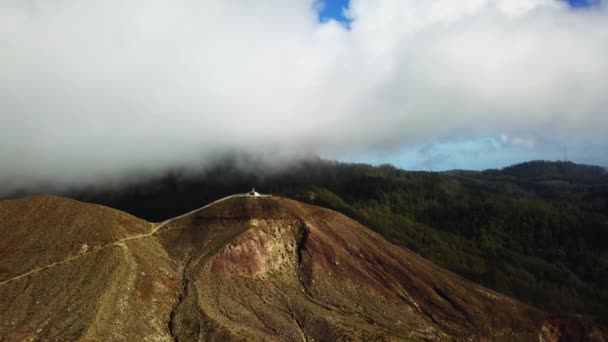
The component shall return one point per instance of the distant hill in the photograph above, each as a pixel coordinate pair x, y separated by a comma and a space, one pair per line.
536, 231
547, 170
242, 268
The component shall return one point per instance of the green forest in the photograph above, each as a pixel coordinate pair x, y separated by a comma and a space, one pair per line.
537, 231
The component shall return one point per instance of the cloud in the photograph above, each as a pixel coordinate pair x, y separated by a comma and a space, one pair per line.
90, 90
518, 142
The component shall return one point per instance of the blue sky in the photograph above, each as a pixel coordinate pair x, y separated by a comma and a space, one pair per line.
334, 9
481, 154
583, 3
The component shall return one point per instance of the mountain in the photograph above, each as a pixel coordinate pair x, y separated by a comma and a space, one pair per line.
535, 231
240, 268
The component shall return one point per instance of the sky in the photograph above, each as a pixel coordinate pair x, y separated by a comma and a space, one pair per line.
92, 91
334, 10
474, 153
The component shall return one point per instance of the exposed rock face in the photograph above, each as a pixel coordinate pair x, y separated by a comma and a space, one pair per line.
242, 268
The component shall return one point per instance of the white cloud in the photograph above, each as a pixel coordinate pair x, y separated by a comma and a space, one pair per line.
518, 142
90, 88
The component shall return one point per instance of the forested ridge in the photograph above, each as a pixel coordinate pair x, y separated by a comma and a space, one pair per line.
537, 231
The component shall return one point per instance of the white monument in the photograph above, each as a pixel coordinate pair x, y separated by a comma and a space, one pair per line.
253, 193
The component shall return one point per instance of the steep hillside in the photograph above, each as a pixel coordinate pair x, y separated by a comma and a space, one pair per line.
75, 270
240, 268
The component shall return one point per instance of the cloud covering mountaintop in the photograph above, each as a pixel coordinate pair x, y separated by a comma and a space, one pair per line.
92, 89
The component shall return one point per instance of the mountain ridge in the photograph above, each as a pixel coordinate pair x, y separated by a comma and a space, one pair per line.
541, 239
249, 268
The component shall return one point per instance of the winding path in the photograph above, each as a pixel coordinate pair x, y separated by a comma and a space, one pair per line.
120, 242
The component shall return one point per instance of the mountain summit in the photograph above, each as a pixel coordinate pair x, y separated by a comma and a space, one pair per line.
244, 267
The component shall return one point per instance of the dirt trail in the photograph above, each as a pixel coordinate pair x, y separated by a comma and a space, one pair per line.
117, 243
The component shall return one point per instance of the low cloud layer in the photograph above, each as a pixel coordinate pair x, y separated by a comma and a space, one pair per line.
97, 89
